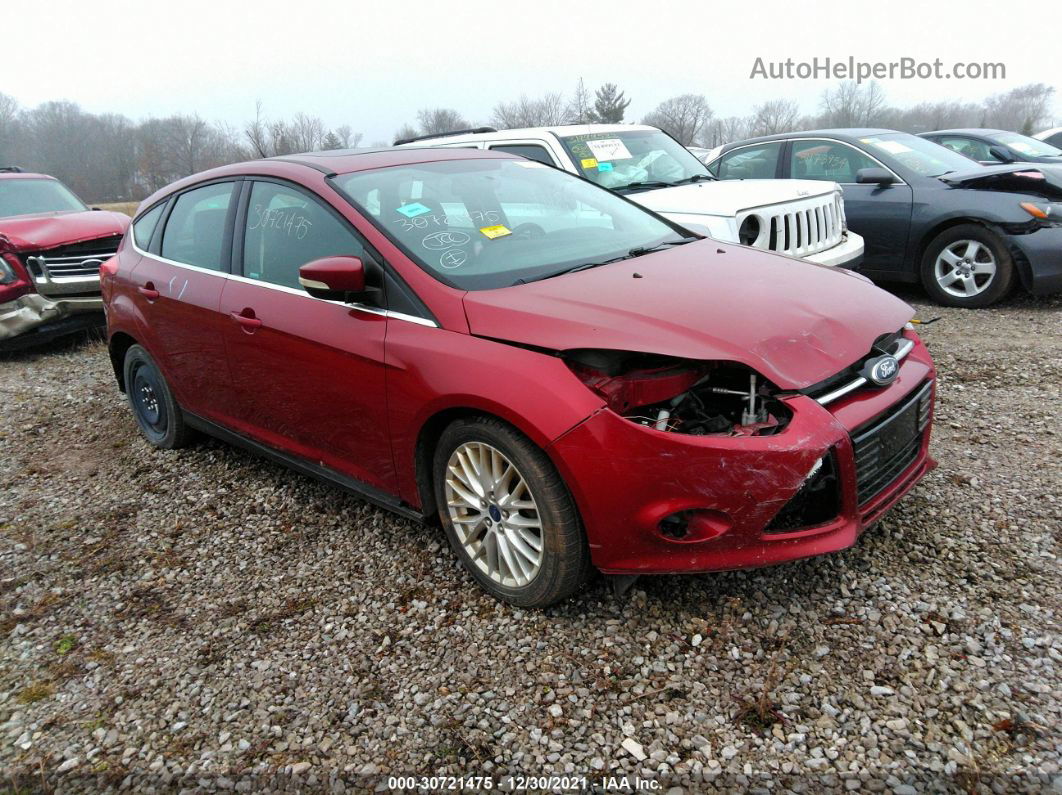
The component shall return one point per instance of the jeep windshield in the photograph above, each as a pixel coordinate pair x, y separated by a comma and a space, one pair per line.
478, 224
634, 160
29, 196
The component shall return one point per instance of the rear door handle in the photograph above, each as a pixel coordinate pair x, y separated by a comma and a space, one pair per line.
148, 291
246, 319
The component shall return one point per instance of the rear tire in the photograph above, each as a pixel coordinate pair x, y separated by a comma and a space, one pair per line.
967, 266
508, 514
154, 407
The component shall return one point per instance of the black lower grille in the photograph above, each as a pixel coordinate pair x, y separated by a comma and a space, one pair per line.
817, 501
888, 445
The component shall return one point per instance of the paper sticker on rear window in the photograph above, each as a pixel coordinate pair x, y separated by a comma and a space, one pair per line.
604, 166
496, 231
413, 210
609, 149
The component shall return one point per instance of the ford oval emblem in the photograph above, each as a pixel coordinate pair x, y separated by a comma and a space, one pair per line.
883, 370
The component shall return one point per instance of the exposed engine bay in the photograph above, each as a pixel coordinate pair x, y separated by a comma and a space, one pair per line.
682, 396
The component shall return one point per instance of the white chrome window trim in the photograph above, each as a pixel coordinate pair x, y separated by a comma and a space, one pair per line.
902, 350
372, 310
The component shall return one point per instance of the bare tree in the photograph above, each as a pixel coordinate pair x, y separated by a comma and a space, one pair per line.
776, 116
307, 133
439, 120
406, 131
1024, 109
547, 110
684, 117
348, 139
8, 119
728, 130
853, 105
580, 110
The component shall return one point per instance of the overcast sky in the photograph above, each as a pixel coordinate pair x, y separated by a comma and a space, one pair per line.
372, 65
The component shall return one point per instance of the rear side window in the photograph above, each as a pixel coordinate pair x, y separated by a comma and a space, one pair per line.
195, 230
144, 226
749, 162
285, 229
530, 151
827, 160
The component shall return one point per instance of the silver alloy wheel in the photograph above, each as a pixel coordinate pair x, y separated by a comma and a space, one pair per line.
494, 514
965, 268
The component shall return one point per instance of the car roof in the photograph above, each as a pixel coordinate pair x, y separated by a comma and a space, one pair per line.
560, 130
840, 133
23, 175
330, 163
979, 131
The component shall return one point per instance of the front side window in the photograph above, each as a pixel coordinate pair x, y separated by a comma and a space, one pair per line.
919, 155
479, 224
195, 230
1023, 145
827, 160
144, 226
968, 147
759, 161
30, 196
623, 160
530, 151
285, 229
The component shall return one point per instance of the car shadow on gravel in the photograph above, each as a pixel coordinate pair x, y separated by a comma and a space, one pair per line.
69, 343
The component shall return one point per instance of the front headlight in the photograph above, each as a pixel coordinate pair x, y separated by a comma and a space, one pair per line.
1048, 212
7, 273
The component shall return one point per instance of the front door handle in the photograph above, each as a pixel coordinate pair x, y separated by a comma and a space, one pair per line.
148, 291
246, 319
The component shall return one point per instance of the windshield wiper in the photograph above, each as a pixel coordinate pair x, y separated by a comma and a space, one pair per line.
638, 251
694, 178
649, 184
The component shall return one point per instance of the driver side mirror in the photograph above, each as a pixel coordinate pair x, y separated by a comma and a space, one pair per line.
875, 176
1000, 154
333, 278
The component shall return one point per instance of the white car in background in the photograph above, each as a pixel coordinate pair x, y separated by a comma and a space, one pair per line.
1052, 136
799, 218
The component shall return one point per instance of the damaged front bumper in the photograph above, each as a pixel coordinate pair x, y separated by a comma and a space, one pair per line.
33, 318
662, 502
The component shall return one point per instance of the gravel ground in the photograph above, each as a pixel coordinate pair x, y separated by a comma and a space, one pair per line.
203, 619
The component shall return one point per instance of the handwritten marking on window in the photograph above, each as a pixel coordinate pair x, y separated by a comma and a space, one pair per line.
287, 220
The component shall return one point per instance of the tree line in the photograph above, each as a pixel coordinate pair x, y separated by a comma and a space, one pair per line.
108, 157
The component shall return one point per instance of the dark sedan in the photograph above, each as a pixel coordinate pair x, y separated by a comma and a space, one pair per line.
995, 147
927, 214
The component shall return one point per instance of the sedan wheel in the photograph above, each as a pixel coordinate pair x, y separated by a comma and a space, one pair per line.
494, 514
508, 514
965, 268
968, 265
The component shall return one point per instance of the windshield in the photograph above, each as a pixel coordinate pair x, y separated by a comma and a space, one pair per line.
917, 154
30, 196
477, 224
619, 160
1024, 145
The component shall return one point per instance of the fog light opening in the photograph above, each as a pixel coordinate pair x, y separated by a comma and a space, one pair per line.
695, 525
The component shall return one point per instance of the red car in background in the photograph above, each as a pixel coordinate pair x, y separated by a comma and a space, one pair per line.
563, 379
51, 249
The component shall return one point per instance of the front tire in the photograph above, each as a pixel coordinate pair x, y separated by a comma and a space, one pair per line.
508, 514
156, 412
967, 266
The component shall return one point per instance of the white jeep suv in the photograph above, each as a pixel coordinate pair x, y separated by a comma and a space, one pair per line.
800, 218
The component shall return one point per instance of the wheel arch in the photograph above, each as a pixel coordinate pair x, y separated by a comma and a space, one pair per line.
117, 347
943, 226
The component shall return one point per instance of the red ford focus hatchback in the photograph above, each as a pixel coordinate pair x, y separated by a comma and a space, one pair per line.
563, 378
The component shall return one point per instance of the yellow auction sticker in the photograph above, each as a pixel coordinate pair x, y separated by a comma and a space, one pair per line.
589, 162
496, 231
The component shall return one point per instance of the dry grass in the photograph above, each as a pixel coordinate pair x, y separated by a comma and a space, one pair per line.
120, 207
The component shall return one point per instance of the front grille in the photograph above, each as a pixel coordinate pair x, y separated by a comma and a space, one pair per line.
806, 227
888, 445
75, 261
